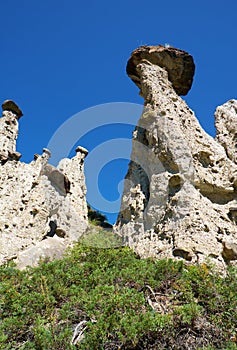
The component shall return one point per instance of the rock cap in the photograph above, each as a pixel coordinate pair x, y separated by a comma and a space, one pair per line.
178, 63
47, 152
9, 105
82, 150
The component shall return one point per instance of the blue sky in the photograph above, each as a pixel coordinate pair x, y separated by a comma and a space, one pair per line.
61, 57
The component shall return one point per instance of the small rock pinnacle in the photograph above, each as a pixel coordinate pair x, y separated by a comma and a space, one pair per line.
9, 105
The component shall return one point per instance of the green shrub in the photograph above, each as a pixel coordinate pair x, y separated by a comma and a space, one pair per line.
128, 303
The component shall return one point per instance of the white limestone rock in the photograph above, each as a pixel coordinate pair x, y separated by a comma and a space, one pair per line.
37, 200
226, 128
180, 191
9, 130
51, 248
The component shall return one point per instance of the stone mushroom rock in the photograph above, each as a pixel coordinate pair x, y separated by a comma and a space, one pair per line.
180, 192
43, 208
9, 105
82, 150
9, 131
178, 63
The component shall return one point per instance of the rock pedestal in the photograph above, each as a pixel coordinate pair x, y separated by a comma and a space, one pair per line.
180, 193
43, 208
9, 131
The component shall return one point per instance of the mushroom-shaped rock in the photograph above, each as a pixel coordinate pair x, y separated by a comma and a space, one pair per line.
47, 152
45, 156
82, 150
9, 105
178, 63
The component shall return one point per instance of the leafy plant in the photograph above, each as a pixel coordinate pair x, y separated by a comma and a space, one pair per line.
98, 298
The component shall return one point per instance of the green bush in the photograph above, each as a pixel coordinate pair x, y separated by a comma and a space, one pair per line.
128, 303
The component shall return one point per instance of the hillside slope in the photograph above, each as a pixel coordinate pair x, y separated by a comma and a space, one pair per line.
111, 299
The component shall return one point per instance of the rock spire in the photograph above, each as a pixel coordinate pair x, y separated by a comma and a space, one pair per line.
180, 193
9, 131
43, 208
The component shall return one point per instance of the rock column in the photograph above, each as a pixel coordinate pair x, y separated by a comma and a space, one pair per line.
9, 131
180, 189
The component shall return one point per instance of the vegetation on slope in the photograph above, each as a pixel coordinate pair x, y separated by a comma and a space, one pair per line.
111, 299
97, 218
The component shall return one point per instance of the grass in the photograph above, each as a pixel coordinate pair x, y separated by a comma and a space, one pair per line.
100, 238
126, 303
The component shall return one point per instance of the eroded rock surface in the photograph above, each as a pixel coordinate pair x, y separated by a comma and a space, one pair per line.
37, 200
180, 193
9, 131
226, 128
178, 63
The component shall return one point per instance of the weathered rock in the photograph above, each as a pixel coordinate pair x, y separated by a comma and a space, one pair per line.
82, 150
51, 248
178, 63
57, 179
229, 250
9, 131
11, 106
226, 128
180, 191
15, 155
37, 200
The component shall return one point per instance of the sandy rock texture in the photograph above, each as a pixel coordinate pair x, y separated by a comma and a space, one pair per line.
180, 193
43, 208
178, 63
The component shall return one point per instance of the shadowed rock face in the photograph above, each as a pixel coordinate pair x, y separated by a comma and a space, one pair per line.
180, 197
178, 63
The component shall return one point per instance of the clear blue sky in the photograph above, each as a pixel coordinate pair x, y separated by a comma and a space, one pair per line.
61, 57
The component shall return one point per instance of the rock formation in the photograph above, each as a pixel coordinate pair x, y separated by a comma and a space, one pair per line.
226, 128
180, 192
43, 208
9, 131
178, 64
